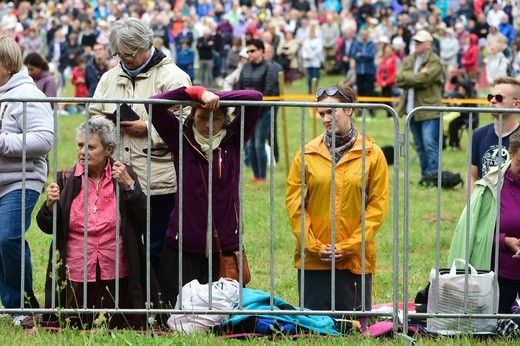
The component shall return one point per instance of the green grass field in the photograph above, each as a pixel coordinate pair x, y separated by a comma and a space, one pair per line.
424, 220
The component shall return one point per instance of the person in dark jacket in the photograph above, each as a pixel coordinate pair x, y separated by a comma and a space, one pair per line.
186, 59
206, 48
112, 237
465, 89
96, 67
59, 54
364, 53
197, 146
259, 75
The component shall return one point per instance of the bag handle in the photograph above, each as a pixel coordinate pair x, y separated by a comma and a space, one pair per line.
453, 269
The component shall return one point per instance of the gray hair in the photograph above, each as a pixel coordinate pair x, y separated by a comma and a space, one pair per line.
128, 35
100, 126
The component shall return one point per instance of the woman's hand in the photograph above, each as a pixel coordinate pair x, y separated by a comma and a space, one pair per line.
53, 195
136, 128
210, 100
120, 174
513, 244
326, 255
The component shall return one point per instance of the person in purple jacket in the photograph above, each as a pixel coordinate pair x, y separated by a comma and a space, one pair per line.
225, 172
38, 69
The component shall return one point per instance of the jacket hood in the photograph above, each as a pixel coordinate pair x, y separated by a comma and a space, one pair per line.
473, 40
19, 78
491, 179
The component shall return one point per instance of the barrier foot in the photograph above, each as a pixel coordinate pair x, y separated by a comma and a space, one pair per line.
407, 338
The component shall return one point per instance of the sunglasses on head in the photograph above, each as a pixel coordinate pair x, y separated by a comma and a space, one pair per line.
499, 97
331, 91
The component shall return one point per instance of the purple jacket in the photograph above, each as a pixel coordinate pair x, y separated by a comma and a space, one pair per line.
46, 83
226, 170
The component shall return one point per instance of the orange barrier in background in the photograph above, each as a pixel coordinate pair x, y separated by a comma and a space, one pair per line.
368, 99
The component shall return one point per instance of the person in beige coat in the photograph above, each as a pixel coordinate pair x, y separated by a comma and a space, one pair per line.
142, 71
288, 55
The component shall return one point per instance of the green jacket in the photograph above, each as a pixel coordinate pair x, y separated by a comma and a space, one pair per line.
427, 85
483, 217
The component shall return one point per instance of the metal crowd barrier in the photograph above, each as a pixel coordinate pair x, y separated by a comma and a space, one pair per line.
400, 257
473, 111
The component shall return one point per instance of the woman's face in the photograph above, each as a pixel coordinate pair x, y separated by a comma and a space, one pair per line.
134, 59
343, 117
201, 121
389, 51
97, 154
5, 75
515, 165
33, 71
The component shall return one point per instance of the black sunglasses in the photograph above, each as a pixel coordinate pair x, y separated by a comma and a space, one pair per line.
499, 97
331, 91
251, 51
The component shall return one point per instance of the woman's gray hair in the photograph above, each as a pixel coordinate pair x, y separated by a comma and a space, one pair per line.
100, 126
128, 35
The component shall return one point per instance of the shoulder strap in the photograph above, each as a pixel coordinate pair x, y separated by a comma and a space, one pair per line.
215, 233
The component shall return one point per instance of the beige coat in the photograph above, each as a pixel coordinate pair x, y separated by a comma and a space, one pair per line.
116, 84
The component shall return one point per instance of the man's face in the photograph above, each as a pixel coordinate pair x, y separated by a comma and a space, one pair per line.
269, 54
421, 47
503, 96
255, 54
100, 51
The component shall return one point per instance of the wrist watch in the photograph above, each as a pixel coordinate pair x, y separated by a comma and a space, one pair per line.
131, 188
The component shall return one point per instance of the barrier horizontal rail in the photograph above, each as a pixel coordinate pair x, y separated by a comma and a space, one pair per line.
286, 97
265, 103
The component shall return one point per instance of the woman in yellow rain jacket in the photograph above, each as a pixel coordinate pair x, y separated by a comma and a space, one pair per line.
317, 228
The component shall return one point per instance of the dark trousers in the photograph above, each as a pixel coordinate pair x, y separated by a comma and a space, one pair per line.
387, 92
454, 128
101, 294
348, 286
161, 208
365, 86
276, 149
194, 266
509, 290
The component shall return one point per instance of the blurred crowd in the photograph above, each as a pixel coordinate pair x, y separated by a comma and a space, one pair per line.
364, 40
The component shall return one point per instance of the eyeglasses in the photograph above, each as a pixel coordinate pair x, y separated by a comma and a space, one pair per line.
499, 97
251, 51
331, 91
126, 56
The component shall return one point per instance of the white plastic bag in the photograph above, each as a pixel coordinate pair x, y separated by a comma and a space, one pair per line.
196, 297
481, 289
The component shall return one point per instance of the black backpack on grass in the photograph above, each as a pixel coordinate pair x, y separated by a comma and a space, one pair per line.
449, 180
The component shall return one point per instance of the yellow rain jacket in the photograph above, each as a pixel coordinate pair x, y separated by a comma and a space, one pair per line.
348, 208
